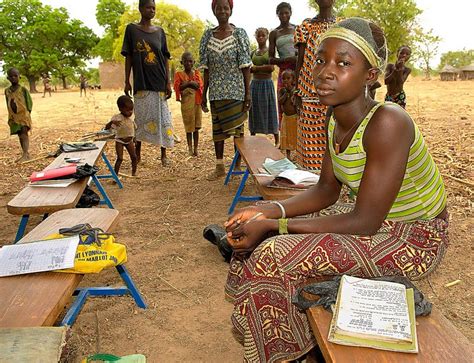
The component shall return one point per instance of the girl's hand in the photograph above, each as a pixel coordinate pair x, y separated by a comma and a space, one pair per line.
168, 91
298, 103
247, 104
204, 104
247, 237
128, 88
241, 216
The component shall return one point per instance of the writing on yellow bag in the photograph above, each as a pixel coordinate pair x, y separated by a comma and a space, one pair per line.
96, 250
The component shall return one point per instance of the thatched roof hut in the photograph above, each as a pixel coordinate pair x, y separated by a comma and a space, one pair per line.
448, 73
467, 72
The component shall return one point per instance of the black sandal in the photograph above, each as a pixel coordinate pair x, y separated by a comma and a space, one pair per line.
218, 236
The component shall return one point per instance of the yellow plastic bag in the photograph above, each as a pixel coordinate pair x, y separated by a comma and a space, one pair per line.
96, 250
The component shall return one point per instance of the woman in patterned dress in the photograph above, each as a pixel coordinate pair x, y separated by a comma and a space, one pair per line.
398, 225
311, 139
225, 57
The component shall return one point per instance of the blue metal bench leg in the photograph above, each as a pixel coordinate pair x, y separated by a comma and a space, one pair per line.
21, 227
106, 199
238, 194
231, 169
112, 174
83, 293
122, 270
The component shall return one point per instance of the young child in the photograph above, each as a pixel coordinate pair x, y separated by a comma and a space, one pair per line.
19, 104
396, 75
188, 86
124, 128
289, 120
46, 84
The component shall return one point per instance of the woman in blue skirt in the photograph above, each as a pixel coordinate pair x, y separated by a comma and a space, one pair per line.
263, 113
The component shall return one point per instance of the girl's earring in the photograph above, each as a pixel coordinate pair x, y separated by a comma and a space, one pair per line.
366, 91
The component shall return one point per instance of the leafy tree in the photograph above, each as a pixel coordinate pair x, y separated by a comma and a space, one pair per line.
396, 17
36, 39
108, 13
183, 31
426, 47
457, 59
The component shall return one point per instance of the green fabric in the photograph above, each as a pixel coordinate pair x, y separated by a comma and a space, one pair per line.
29, 101
133, 358
421, 196
15, 129
260, 60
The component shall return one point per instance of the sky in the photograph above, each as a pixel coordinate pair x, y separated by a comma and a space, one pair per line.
450, 24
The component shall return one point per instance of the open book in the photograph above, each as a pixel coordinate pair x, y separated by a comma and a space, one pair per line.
374, 314
294, 179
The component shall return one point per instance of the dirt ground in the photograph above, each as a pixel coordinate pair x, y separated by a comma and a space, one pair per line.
163, 212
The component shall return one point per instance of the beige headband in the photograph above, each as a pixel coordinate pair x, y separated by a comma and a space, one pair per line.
357, 41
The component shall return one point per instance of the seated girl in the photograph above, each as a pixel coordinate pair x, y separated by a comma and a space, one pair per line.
397, 226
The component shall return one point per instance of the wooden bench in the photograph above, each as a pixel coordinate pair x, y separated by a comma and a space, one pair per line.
254, 150
438, 342
38, 299
43, 201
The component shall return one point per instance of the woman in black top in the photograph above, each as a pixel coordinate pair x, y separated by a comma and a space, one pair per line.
146, 53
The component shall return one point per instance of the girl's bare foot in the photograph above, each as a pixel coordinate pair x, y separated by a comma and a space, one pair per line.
23, 158
165, 162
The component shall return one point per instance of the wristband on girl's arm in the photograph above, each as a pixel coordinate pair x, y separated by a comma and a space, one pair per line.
283, 226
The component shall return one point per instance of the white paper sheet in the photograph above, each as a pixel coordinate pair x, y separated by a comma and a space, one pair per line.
25, 258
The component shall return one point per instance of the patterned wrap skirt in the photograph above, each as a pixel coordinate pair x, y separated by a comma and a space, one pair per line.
191, 113
261, 287
153, 118
288, 132
227, 119
311, 137
263, 118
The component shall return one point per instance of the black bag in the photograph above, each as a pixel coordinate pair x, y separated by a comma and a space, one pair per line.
89, 199
67, 148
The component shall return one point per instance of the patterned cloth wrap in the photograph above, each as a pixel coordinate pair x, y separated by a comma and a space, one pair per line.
261, 287
153, 119
400, 98
311, 139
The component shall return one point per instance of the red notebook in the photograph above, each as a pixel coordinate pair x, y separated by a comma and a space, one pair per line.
53, 173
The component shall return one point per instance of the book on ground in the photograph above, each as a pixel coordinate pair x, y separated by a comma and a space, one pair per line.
295, 179
375, 314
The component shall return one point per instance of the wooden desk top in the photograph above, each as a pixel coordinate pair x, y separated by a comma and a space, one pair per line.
254, 151
38, 299
37, 200
438, 342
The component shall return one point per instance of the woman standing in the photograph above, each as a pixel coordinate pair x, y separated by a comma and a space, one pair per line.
146, 53
311, 141
225, 57
281, 40
263, 113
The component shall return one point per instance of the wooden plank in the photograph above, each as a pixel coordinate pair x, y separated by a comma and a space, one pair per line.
438, 342
38, 299
254, 151
35, 200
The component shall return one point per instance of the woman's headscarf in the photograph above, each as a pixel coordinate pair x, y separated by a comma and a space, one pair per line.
231, 4
357, 31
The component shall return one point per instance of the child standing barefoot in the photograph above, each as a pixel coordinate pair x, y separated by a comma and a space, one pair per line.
124, 128
396, 75
19, 106
289, 120
188, 86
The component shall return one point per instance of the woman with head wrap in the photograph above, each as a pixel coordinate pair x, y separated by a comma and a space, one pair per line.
146, 53
397, 226
225, 57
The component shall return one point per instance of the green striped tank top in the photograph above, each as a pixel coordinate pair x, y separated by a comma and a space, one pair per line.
422, 194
